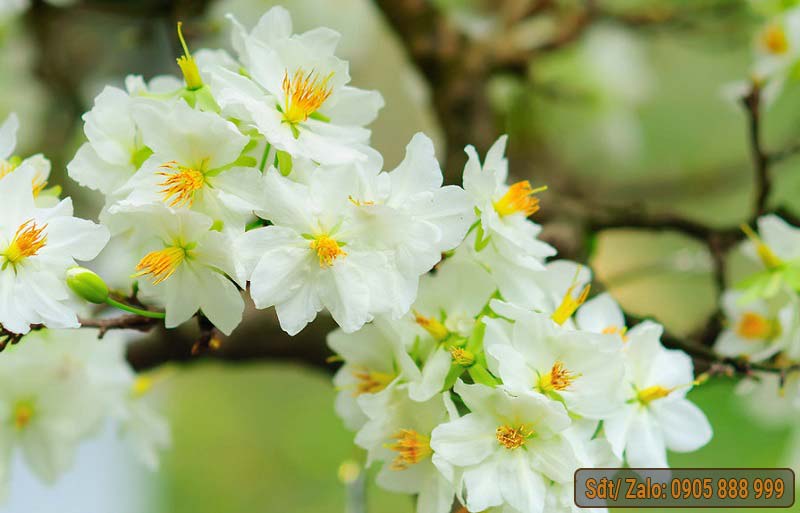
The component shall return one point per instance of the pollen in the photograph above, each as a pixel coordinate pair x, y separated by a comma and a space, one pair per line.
513, 437
569, 304
774, 39
519, 198
650, 394
180, 184
23, 414
371, 382
328, 250
162, 264
430, 324
411, 448
304, 93
557, 379
27, 242
753, 326
187, 64
462, 357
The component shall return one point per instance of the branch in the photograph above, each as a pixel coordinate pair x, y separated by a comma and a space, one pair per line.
761, 160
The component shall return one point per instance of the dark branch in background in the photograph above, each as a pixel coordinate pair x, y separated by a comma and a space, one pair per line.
761, 161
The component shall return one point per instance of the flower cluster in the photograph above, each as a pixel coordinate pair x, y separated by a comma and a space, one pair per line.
777, 47
474, 368
501, 381
762, 312
61, 387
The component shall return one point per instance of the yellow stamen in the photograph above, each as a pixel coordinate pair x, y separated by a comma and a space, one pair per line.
774, 39
411, 448
26, 243
432, 325
462, 356
570, 304
371, 382
557, 379
328, 250
768, 258
161, 264
180, 184
650, 394
191, 74
23, 414
304, 94
7, 167
753, 326
519, 198
141, 385
513, 437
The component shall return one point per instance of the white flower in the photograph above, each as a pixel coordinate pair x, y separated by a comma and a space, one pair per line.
601, 314
37, 246
504, 209
195, 164
777, 51
446, 309
408, 211
507, 448
38, 165
533, 353
295, 92
315, 256
759, 329
657, 416
399, 435
188, 267
374, 359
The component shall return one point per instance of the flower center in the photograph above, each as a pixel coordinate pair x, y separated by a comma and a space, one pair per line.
411, 448
328, 250
432, 325
180, 183
774, 39
23, 414
650, 394
513, 437
519, 198
753, 326
161, 264
26, 243
371, 382
558, 379
462, 357
304, 93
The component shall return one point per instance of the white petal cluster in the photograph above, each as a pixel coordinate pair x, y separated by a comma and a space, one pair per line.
60, 387
762, 318
501, 381
777, 50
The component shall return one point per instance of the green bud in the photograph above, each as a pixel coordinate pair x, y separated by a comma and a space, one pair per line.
87, 284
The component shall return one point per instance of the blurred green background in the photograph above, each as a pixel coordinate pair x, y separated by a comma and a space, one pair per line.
623, 116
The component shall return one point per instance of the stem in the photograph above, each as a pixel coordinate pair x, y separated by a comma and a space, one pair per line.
267, 149
134, 310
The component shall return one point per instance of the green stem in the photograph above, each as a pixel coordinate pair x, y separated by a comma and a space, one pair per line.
134, 310
264, 158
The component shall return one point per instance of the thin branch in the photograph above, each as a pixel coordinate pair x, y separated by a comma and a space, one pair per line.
761, 160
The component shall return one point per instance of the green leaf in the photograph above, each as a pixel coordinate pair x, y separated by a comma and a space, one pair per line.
284, 163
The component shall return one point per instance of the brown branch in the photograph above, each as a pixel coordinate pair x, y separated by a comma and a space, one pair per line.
761, 160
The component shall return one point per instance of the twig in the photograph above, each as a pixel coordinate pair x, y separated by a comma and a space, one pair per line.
761, 160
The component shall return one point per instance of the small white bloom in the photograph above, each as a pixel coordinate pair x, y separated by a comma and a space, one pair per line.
507, 448
194, 164
657, 416
188, 267
534, 354
37, 164
398, 434
760, 328
602, 314
504, 209
37, 246
295, 92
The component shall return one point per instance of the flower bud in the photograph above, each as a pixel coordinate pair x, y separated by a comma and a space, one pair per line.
87, 284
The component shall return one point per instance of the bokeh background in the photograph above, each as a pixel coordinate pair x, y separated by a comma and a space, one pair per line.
634, 115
